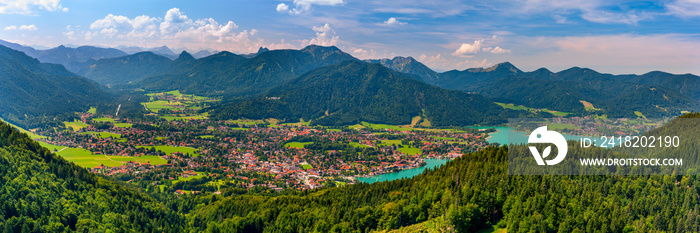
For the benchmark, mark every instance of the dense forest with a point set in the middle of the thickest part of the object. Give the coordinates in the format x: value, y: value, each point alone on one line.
x: 31, y: 91
x: 354, y: 91
x: 44, y: 193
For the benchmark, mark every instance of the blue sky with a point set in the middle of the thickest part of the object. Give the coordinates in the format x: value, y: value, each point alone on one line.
x: 616, y: 37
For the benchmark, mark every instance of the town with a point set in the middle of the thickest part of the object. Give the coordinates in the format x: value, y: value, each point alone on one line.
x: 177, y: 148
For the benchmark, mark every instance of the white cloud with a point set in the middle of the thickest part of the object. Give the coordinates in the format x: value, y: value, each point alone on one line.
x: 359, y: 51
x: 325, y: 36
x: 684, y: 8
x: 30, y: 27
x: 590, y: 10
x: 496, y: 50
x: 282, y: 7
x: 393, y: 21
x: 466, y: 49
x: 29, y: 6
x: 301, y: 6
x: 175, y: 29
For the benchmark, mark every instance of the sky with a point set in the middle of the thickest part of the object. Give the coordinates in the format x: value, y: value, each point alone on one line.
x: 610, y: 36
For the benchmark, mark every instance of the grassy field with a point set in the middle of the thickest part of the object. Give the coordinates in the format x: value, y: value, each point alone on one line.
x: 92, y: 110
x: 155, y: 106
x: 103, y: 134
x: 297, y: 145
x: 512, y: 106
x: 560, y: 126
x: 85, y: 158
x: 409, y: 151
x: 51, y: 147
x: 75, y: 125
x: 390, y: 142
x: 248, y: 122
x: 355, y: 144
x: 103, y: 119
x: 306, y: 166
x: 153, y: 160
x: 172, y: 149
x: 181, y: 118
x: 29, y: 133
x: 443, y: 138
x: 122, y: 125
x: 521, y: 107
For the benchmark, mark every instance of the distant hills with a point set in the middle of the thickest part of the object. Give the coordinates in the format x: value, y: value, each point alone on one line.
x: 45, y: 193
x: 653, y: 95
x: 131, y: 68
x: 579, y: 91
x: 410, y: 66
x: 231, y: 75
x: 355, y: 91
x: 30, y: 88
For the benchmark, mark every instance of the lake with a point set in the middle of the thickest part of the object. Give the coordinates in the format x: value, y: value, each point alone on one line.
x: 504, y: 136
x: 431, y: 163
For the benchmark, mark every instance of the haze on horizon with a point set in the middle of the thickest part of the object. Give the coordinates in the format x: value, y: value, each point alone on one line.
x: 618, y: 37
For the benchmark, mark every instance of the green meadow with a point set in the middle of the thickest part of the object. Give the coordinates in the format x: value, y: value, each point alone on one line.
x: 297, y: 145
x: 103, y: 134
x: 172, y: 149
x: 75, y: 125
x: 29, y: 133
x: 103, y: 119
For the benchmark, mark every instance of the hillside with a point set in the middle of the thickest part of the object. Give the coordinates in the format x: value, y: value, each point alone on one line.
x: 468, y: 194
x: 30, y: 88
x: 42, y: 192
x: 132, y: 68
x: 356, y: 91
x: 243, y: 77
x: 72, y: 58
x: 655, y: 94
x: 410, y: 66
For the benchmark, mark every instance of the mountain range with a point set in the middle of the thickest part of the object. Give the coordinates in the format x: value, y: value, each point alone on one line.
x: 30, y: 88
x: 355, y: 91
x: 578, y: 91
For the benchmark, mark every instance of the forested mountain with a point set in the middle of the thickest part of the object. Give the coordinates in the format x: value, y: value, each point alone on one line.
x: 242, y: 77
x: 29, y: 88
x: 42, y: 192
x: 71, y: 58
x: 653, y: 94
x: 132, y: 68
x: 410, y: 66
x: 472, y: 193
x: 355, y: 91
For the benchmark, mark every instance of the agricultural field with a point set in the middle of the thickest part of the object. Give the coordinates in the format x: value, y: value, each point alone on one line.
x: 29, y: 133
x: 122, y: 125
x: 103, y: 119
x: 172, y: 149
x: 103, y: 134
x: 85, y: 158
x: 297, y: 145
x: 185, y: 106
x: 153, y: 160
x: 521, y: 107
x: 75, y: 125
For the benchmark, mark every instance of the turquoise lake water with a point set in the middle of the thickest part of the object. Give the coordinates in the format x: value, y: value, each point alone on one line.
x: 431, y: 163
x: 501, y: 137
